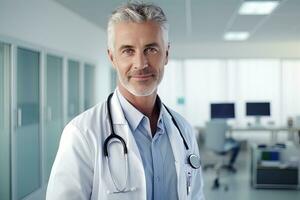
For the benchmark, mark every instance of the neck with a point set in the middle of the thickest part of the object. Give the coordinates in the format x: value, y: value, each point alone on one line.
x: 145, y: 104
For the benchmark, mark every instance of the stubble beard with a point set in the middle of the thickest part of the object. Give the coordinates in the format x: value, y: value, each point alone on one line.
x: 147, y: 89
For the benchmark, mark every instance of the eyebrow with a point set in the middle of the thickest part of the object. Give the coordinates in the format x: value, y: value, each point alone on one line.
x: 125, y: 47
x: 154, y: 44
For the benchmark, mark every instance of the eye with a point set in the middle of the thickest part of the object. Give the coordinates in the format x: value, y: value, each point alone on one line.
x: 151, y: 50
x: 128, y: 52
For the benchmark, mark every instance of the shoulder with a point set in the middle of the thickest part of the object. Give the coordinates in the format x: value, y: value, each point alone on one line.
x: 88, y: 114
x: 86, y: 126
x: 90, y: 118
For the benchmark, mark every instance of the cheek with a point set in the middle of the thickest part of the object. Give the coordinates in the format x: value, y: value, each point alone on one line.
x: 156, y: 60
x: 123, y: 67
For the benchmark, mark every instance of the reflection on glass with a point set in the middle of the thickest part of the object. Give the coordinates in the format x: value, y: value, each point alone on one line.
x: 4, y: 122
x: 54, y: 111
x: 73, y: 89
x: 89, y: 86
x: 27, y: 133
x: 2, y: 86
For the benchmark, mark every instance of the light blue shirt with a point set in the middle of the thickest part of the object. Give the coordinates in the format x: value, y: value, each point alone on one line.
x: 156, y: 152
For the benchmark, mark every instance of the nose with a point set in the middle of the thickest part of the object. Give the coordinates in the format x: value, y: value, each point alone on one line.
x: 141, y: 61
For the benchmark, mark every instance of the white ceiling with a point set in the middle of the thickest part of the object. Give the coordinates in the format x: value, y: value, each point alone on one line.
x: 210, y: 19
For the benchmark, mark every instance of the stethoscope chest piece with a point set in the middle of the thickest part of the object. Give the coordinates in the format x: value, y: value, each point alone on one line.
x: 194, y: 161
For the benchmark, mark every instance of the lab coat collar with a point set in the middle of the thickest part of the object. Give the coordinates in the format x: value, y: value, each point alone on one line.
x: 133, y: 116
x: 174, y: 137
x: 116, y: 110
x: 179, y: 153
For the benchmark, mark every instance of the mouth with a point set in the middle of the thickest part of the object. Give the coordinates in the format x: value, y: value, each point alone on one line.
x: 142, y: 77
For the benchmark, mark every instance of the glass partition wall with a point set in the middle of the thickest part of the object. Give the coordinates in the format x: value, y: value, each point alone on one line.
x: 39, y: 93
x: 73, y: 89
x: 27, y: 138
x: 5, y: 139
x: 54, y: 108
x: 89, y: 86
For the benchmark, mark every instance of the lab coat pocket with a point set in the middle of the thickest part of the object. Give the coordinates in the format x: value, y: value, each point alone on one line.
x: 116, y: 173
x: 116, y: 189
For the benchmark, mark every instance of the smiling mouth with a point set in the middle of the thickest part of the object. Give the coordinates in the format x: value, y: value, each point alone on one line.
x: 142, y: 77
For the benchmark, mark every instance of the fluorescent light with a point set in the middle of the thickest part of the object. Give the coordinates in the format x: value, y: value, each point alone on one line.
x: 257, y: 7
x: 236, y: 36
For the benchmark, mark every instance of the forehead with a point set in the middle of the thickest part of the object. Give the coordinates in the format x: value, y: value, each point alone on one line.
x: 130, y: 33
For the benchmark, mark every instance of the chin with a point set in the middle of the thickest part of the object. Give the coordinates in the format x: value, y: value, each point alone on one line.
x: 139, y: 89
x: 142, y: 92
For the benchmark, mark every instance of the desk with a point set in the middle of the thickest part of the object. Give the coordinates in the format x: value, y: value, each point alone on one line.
x: 283, y: 175
x: 272, y: 129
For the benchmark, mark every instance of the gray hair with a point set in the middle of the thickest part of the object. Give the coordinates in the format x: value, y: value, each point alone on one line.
x: 137, y: 12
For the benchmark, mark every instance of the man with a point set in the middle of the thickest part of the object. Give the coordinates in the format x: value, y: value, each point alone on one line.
x: 131, y: 146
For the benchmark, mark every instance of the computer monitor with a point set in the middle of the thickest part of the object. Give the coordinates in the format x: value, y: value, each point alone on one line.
x: 258, y: 109
x: 222, y: 110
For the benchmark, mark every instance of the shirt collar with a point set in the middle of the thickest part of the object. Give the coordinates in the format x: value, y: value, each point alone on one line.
x: 133, y: 116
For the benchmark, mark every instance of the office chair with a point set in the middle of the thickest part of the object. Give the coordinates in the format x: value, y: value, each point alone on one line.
x: 215, y: 138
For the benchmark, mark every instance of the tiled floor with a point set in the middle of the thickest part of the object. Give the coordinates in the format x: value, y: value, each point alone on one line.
x: 239, y: 183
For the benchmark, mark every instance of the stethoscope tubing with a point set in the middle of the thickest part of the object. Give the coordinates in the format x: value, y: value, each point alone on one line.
x: 113, y: 135
x: 193, y: 160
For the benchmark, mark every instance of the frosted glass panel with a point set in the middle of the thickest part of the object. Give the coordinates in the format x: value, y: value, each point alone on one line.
x: 4, y: 122
x: 290, y: 89
x: 1, y: 87
x: 206, y: 82
x: 258, y: 80
x: 89, y: 86
x: 73, y: 89
x: 54, y: 111
x: 27, y: 133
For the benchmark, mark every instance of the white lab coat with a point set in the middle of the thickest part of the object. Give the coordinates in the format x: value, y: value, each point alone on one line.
x: 80, y: 169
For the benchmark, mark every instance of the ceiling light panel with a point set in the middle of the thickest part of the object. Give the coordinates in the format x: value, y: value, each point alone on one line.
x: 258, y: 7
x: 236, y: 36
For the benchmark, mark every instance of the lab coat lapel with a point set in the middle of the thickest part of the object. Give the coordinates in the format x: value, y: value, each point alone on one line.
x: 121, y: 127
x: 178, y: 152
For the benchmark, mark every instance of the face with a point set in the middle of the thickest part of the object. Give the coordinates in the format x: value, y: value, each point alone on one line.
x: 139, y: 56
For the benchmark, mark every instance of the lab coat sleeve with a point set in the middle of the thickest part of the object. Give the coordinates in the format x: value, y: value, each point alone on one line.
x: 72, y: 172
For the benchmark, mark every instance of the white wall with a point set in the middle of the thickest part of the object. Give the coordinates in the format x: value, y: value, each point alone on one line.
x: 236, y: 50
x: 47, y: 24
x: 236, y: 80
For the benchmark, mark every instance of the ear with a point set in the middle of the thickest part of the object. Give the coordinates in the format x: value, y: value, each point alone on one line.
x: 111, y: 56
x: 167, y: 54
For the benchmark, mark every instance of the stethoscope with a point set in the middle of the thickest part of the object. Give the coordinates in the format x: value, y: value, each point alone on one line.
x: 193, y: 160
